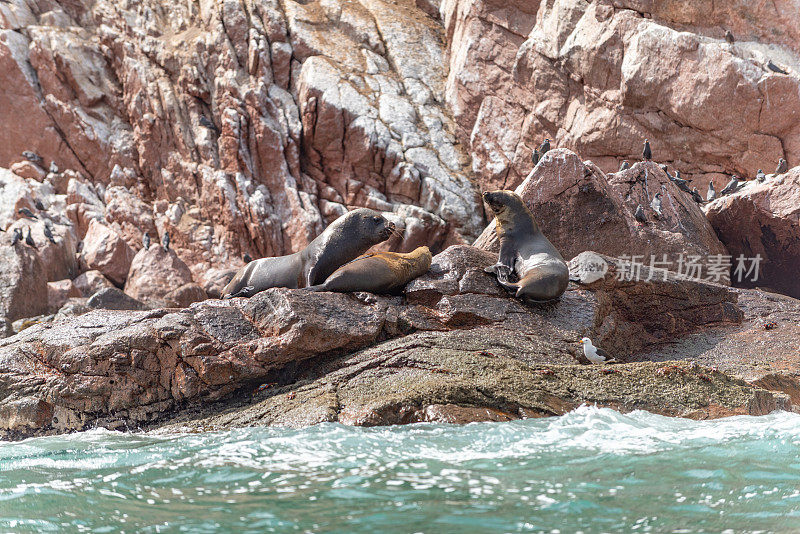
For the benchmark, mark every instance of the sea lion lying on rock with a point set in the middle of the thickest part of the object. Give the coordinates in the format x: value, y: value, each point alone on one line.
x: 382, y: 272
x: 343, y: 240
x: 525, y: 252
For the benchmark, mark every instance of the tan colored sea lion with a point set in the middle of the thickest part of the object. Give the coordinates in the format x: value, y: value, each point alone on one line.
x: 524, y: 251
x: 382, y: 272
x: 344, y: 239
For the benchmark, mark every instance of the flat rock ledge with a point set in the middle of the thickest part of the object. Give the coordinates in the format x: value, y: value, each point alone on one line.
x: 454, y: 348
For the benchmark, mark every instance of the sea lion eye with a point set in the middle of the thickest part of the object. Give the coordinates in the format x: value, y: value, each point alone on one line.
x: 377, y: 218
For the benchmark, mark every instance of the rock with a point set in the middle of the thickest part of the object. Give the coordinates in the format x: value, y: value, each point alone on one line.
x: 599, y: 78
x: 26, y: 169
x: 578, y: 209
x: 5, y: 328
x: 156, y: 272
x: 72, y: 308
x: 23, y: 285
x: 105, y: 251
x: 59, y: 292
x: 91, y: 282
x: 762, y: 220
x: 112, y: 298
x: 184, y: 296
x: 151, y: 363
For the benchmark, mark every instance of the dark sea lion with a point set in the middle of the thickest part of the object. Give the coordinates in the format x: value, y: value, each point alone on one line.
x: 524, y: 251
x: 343, y: 240
x: 381, y: 273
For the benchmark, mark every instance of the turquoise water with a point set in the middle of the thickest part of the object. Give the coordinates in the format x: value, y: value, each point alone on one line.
x: 592, y: 470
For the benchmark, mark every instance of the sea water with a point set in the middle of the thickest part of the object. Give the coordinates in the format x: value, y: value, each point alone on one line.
x: 592, y: 470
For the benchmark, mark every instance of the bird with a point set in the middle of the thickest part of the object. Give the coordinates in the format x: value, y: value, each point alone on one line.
x: 647, y: 154
x: 639, y: 214
x: 535, y: 156
x: 729, y: 37
x: 624, y: 165
x: 206, y: 123
x: 774, y: 68
x: 696, y: 196
x: 146, y: 241
x: 731, y: 187
x: 544, y: 148
x: 760, y: 176
x: 594, y: 354
x: 17, y: 236
x: 783, y: 166
x: 48, y: 233
x: 682, y: 184
x: 25, y: 212
x: 656, y: 205
x: 712, y: 193
x: 247, y: 258
x: 165, y: 241
x: 29, y: 239
x: 33, y: 157
x: 53, y: 167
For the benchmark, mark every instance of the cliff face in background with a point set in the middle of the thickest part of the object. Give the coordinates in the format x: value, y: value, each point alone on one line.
x: 244, y: 126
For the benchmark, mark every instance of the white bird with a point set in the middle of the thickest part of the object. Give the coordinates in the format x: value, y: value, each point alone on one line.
x: 593, y: 354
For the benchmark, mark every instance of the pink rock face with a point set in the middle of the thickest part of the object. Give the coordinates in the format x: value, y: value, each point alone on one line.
x: 764, y: 219
x: 599, y: 78
x: 23, y: 285
x: 578, y: 208
x: 105, y: 251
x: 155, y: 273
x: 264, y: 124
x: 59, y: 292
x: 91, y: 282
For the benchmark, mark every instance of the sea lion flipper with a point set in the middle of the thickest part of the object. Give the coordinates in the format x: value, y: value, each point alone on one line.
x: 244, y: 292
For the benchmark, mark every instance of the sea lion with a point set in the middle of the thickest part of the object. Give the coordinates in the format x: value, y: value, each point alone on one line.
x: 344, y: 239
x: 381, y: 273
x: 525, y: 251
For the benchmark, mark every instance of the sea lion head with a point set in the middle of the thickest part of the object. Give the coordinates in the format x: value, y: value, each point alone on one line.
x: 369, y: 225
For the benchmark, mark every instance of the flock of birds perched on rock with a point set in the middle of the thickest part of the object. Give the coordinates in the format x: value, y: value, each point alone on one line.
x: 734, y: 185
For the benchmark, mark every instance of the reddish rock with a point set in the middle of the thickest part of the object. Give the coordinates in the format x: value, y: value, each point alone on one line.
x: 26, y: 169
x: 578, y: 208
x: 600, y: 77
x: 156, y: 272
x: 184, y: 296
x: 58, y: 293
x: 763, y: 220
x: 23, y: 285
x: 91, y: 282
x: 105, y: 251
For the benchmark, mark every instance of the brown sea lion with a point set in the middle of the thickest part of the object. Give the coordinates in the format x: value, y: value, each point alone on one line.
x: 344, y: 239
x: 382, y: 272
x: 524, y: 251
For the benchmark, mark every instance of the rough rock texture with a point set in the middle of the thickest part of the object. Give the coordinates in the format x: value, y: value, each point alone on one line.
x: 129, y: 368
x: 155, y: 272
x: 112, y: 298
x: 58, y: 293
x: 91, y: 282
x: 600, y: 77
x: 763, y: 219
x: 23, y: 285
x: 105, y: 251
x: 238, y: 126
x: 578, y: 208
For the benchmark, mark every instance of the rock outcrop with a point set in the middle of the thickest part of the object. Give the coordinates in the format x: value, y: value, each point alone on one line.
x: 579, y: 208
x: 600, y: 77
x: 763, y: 220
x: 119, y: 369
